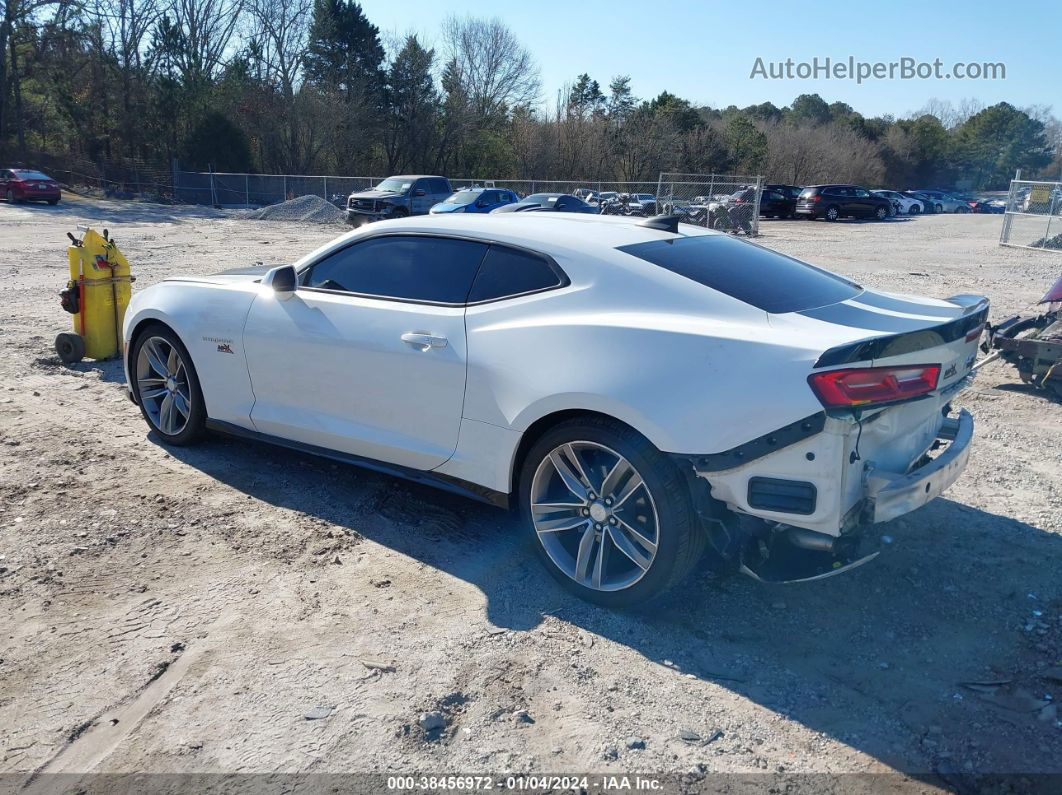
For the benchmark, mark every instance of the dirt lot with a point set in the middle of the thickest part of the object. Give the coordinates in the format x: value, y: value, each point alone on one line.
x: 191, y: 610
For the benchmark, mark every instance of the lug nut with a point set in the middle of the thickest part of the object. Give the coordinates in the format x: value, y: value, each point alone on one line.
x: 597, y: 527
x: 586, y: 511
x: 612, y: 520
x: 608, y: 500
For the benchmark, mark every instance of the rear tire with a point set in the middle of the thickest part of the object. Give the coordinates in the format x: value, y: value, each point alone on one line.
x: 915, y: 210
x: 70, y: 347
x: 881, y: 213
x: 939, y: 208
x: 653, y: 520
x: 166, y: 360
x: 833, y: 212
x: 53, y: 202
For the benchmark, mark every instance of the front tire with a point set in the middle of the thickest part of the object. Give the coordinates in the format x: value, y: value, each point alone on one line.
x: 939, y: 208
x: 610, y: 516
x: 915, y: 210
x: 167, y: 386
x: 881, y: 213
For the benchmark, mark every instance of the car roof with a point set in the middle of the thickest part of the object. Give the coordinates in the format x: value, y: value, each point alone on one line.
x: 550, y: 233
x: 415, y: 176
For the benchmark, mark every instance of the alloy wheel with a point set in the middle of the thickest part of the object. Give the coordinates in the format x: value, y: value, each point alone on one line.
x: 162, y: 384
x: 594, y: 516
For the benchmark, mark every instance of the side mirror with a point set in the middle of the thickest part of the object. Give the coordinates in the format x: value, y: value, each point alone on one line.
x: 420, y: 192
x: 281, y: 280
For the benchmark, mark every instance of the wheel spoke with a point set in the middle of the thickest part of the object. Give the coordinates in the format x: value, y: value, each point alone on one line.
x: 166, y: 414
x: 631, y: 486
x: 636, y: 536
x: 173, y: 361
x: 151, y: 394
x: 615, y: 475
x: 582, y: 558
x: 599, y: 565
x: 155, y: 358
x: 560, y: 524
x: 180, y: 402
x: 623, y: 544
x: 557, y: 506
x: 570, y: 478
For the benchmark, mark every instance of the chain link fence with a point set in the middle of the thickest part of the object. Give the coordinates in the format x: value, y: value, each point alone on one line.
x: 727, y: 202
x: 257, y: 190
x: 1033, y: 216
x: 720, y: 201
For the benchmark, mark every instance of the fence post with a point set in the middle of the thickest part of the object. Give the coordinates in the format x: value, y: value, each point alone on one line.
x: 284, y: 197
x: 247, y: 189
x: 326, y: 197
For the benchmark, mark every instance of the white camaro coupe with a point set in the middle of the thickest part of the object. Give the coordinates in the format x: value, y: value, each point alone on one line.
x: 641, y: 390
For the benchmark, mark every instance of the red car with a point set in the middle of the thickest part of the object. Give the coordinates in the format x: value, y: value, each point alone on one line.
x: 22, y: 185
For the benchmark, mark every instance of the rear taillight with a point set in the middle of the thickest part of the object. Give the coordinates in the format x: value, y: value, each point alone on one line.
x: 872, y: 385
x: 816, y: 198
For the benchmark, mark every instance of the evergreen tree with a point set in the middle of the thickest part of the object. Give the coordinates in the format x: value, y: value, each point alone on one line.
x: 344, y: 52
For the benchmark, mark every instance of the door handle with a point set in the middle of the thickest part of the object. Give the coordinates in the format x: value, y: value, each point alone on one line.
x: 423, y: 341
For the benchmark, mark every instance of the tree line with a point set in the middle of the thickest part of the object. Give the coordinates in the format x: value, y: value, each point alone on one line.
x: 311, y: 87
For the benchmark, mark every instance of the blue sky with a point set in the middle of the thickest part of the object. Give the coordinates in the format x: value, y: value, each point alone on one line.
x: 704, y: 50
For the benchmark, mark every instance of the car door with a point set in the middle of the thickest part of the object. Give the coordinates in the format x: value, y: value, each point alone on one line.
x: 421, y: 198
x: 487, y: 201
x: 368, y: 355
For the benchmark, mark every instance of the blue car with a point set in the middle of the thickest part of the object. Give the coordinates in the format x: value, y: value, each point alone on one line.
x: 475, y: 200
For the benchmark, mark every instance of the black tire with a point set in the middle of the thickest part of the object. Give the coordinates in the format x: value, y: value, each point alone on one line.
x: 681, y: 540
x: 11, y: 197
x: 53, y: 202
x: 400, y: 212
x: 193, y: 428
x: 915, y: 210
x: 938, y: 208
x: 881, y: 213
x: 70, y: 347
x: 962, y: 210
x: 833, y: 212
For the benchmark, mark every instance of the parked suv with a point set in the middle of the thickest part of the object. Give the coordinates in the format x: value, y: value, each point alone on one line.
x: 398, y: 197
x: 837, y: 201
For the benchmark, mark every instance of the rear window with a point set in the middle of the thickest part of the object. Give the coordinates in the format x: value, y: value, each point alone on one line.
x: 30, y: 174
x: 758, y: 276
x: 809, y: 192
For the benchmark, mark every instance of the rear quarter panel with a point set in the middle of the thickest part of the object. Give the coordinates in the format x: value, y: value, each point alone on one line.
x: 690, y: 381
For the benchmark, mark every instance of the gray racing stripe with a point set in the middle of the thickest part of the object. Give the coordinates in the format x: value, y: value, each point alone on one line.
x: 844, y: 314
x: 871, y: 298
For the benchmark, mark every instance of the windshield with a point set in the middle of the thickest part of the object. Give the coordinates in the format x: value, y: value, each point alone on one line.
x: 395, y: 185
x: 463, y: 197
x: 541, y: 198
x: 30, y: 174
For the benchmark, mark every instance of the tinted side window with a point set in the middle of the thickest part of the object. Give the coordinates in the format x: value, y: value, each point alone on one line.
x: 758, y: 276
x: 440, y: 186
x: 410, y: 267
x: 507, y: 271
x: 490, y: 197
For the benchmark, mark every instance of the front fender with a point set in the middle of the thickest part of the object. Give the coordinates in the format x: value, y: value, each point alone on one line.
x: 209, y: 320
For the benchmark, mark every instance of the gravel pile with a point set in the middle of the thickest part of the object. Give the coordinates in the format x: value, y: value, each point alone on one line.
x: 309, y: 209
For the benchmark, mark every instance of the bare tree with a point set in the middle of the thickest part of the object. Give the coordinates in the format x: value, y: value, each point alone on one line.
x: 495, y: 72
x: 206, y: 28
x: 280, y: 27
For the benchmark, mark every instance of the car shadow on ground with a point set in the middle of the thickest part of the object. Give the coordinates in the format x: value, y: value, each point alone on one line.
x: 876, y: 658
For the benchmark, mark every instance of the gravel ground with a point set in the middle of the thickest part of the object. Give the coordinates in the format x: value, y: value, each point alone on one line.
x: 236, y: 608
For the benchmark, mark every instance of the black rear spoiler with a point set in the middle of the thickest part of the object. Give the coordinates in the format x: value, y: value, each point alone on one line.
x: 974, y: 316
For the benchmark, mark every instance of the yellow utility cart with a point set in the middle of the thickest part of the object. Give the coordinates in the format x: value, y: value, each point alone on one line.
x: 96, y: 295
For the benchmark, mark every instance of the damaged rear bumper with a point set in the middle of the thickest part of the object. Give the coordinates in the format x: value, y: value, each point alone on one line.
x: 892, y: 494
